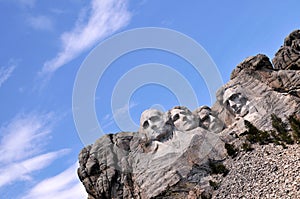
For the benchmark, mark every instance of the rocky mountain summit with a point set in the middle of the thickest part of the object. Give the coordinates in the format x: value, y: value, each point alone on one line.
x: 245, y: 146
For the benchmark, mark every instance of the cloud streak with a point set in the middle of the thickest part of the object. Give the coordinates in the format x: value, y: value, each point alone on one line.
x: 24, y: 136
x: 21, y: 171
x: 5, y: 73
x: 22, y: 147
x: 105, y: 18
x: 119, y: 114
x: 28, y: 3
x: 65, y: 185
x: 41, y: 23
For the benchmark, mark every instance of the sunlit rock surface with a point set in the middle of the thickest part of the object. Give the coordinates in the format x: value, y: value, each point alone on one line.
x: 172, y: 153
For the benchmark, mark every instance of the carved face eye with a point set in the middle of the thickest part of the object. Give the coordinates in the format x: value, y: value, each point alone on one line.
x: 234, y: 97
x: 185, y: 113
x: 145, y: 124
x: 205, y: 117
x: 154, y: 119
x: 175, y: 117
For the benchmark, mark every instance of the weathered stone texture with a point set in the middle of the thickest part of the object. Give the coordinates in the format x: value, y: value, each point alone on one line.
x: 171, y: 155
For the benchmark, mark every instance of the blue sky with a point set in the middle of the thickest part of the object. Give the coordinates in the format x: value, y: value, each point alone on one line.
x: 44, y: 43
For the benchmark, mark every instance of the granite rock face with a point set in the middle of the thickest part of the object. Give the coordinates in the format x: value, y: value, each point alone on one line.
x: 182, y: 153
x: 287, y: 56
x: 170, y: 149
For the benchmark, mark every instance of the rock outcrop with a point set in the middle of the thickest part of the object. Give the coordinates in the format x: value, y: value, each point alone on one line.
x: 246, y: 144
x: 287, y: 56
x: 169, y: 154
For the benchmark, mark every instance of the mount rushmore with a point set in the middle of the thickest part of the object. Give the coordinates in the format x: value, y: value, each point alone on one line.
x: 205, y: 153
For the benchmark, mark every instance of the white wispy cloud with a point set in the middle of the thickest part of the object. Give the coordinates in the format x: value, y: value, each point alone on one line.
x: 23, y: 170
x: 24, y: 136
x: 119, y: 113
x: 23, y: 142
x: 65, y: 185
x: 5, y: 73
x: 41, y: 22
x: 28, y: 3
x: 122, y: 110
x: 105, y: 18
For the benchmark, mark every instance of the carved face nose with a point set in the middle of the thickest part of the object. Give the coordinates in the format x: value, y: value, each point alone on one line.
x: 185, y: 119
x: 154, y: 127
x: 232, y: 104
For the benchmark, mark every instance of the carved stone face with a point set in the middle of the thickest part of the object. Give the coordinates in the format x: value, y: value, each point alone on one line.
x: 183, y: 118
x: 153, y: 123
x: 207, y: 120
x: 235, y: 101
x: 203, y: 112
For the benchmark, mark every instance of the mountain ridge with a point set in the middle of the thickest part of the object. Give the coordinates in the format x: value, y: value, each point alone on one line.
x: 204, y: 153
